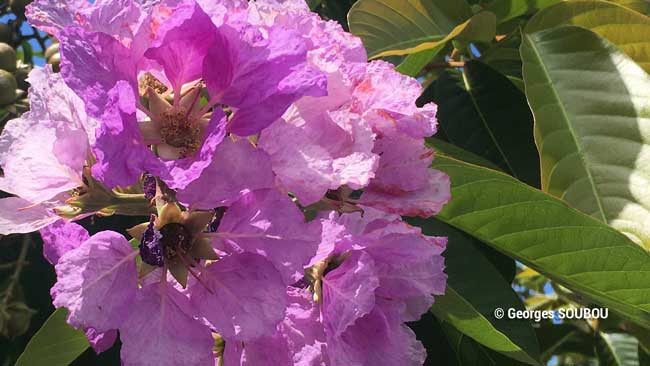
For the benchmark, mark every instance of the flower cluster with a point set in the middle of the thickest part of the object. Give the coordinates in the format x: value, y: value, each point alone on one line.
x: 271, y: 164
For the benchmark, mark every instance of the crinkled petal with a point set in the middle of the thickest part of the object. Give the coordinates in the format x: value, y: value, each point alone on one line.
x: 268, y: 223
x: 31, y: 169
x: 303, y: 330
x: 43, y: 152
x: 424, y: 202
x: 160, y: 332
x: 97, y: 282
x: 411, y: 269
x: 189, y: 33
x: 318, y: 145
x: 101, y: 342
x: 53, y: 15
x: 259, y: 75
x: 404, y: 183
x: 121, y: 157
x: 348, y: 292
x: 92, y: 64
x: 378, y: 339
x: 19, y: 216
x: 248, y: 300
x: 236, y: 166
x: 60, y: 238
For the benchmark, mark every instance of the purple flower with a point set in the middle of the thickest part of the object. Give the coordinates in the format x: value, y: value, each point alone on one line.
x: 374, y: 273
x: 42, y: 154
x: 174, y: 51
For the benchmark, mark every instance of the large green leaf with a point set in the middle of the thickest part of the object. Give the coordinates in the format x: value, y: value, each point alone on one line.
x: 627, y: 29
x: 469, y: 353
x: 642, y: 6
x: 592, y: 126
x: 481, y: 111
x: 55, y: 344
x: 469, y: 304
x: 401, y: 27
x: 447, y: 148
x: 547, y: 235
x: 617, y: 349
x: 508, y: 9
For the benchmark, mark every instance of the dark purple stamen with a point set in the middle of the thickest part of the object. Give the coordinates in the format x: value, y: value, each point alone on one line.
x: 218, y: 215
x: 149, y: 186
x: 151, y: 250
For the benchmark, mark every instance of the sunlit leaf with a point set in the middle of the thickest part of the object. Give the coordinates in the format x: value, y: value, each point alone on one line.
x: 592, y: 126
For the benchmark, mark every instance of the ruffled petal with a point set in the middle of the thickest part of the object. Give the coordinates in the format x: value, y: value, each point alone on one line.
x: 60, y: 238
x: 404, y: 183
x: 266, y: 222
x: 19, y: 216
x: 101, y: 342
x: 378, y: 339
x: 348, y: 293
x: 248, y: 298
x: 160, y: 332
x: 189, y: 33
x: 97, y: 282
x: 236, y: 166
x: 259, y: 75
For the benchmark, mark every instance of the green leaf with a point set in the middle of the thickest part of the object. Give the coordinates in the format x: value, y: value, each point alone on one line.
x: 508, y: 9
x: 481, y: 111
x: 627, y: 29
x: 592, y: 126
x: 617, y: 349
x: 445, y: 148
x: 55, y: 344
x: 398, y: 27
x: 470, y: 353
x: 642, y: 6
x: 469, y: 304
x: 414, y: 62
x: 542, y: 232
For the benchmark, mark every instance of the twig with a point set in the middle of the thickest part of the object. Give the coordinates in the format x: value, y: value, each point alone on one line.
x: 15, y: 277
x: 444, y: 65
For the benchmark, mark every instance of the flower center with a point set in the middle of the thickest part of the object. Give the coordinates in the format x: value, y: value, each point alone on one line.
x: 179, y: 130
x: 176, y: 240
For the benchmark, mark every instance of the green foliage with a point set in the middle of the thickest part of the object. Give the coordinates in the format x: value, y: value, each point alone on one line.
x: 579, y: 67
x: 55, y: 344
x: 469, y: 305
x: 592, y: 125
x: 483, y: 101
x: 394, y: 27
x: 627, y: 29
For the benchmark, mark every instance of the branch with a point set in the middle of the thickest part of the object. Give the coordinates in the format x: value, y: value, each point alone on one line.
x: 15, y: 277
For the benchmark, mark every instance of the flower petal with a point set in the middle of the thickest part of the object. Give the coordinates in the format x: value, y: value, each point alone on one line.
x: 348, y: 293
x: 19, y: 216
x: 236, y: 166
x: 97, y: 282
x: 248, y: 300
x: 160, y: 332
x: 266, y: 222
x: 60, y: 238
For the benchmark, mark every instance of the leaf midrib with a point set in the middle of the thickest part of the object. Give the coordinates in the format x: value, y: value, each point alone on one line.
x: 572, y: 132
